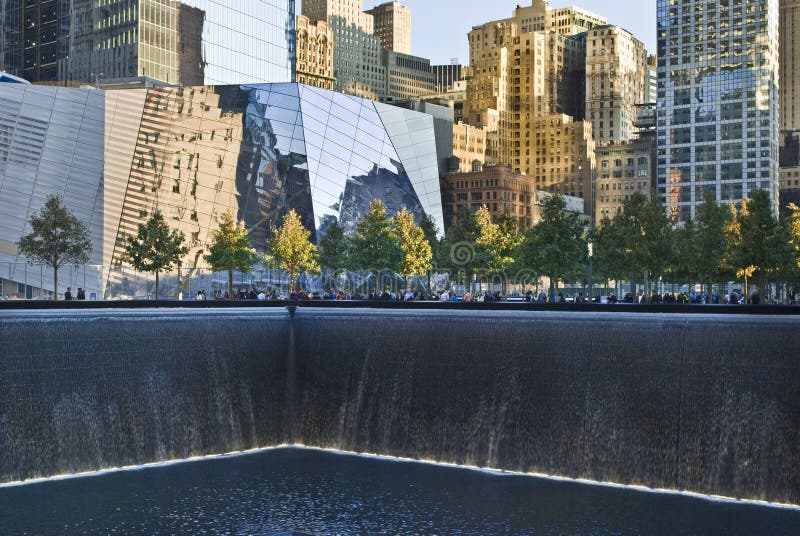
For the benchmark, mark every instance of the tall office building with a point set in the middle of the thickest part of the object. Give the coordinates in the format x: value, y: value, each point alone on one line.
x: 717, y: 116
x: 616, y: 82
x: 357, y: 54
x: 525, y: 68
x: 790, y: 65
x: 169, y: 41
x: 34, y: 36
x: 392, y: 22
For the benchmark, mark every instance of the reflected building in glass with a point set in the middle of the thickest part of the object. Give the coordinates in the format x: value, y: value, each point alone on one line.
x: 717, y: 114
x: 188, y: 42
x: 196, y: 152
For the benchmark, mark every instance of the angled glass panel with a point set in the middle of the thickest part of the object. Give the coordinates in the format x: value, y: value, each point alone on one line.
x: 272, y: 173
x: 413, y: 137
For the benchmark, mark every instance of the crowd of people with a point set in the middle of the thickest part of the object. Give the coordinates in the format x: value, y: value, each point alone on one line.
x: 734, y: 297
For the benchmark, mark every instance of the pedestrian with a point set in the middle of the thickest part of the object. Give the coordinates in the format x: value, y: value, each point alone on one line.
x: 68, y: 294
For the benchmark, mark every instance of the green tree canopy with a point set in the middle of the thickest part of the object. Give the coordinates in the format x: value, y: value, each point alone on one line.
x: 610, y: 249
x: 458, y: 251
x: 374, y: 244
x: 416, y: 253
x: 291, y: 250
x: 498, y: 241
x: 56, y: 238
x: 756, y: 243
x: 792, y: 236
x: 656, y: 241
x: 556, y: 246
x: 332, y: 247
x: 230, y: 249
x: 708, y: 253
x: 156, y: 247
x: 646, y: 235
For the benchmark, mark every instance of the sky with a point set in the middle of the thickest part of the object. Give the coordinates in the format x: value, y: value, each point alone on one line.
x: 440, y: 27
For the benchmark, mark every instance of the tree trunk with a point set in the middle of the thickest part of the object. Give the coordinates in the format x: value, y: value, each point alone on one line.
x: 291, y: 281
x: 156, y: 284
x: 55, y: 282
x: 230, y: 284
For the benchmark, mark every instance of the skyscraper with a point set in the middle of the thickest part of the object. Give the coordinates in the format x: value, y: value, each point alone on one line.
x: 393, y: 26
x: 717, y: 115
x: 357, y: 52
x: 530, y: 69
x: 616, y: 81
x: 170, y: 41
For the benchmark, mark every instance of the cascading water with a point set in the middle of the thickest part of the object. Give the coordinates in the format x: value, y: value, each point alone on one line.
x: 690, y: 402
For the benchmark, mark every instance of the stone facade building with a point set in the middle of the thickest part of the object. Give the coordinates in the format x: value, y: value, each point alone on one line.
x: 314, y: 53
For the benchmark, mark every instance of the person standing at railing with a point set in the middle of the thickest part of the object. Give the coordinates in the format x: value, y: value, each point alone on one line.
x: 68, y: 294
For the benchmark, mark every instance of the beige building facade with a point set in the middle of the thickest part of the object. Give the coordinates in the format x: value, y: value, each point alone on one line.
x: 563, y: 156
x: 392, y: 22
x: 789, y: 55
x: 357, y: 54
x: 617, y: 79
x: 314, y: 53
x: 469, y: 146
x: 529, y: 69
x: 623, y: 168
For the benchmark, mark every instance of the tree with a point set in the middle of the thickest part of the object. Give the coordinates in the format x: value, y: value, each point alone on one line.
x: 646, y: 236
x: 458, y: 250
x: 708, y: 238
x: 497, y: 241
x: 291, y: 250
x: 556, y: 245
x: 685, y: 263
x: 156, y: 247
x: 415, y: 249
x: 56, y: 238
x: 609, y: 259
x: 332, y: 247
x: 431, y: 232
x: 792, y: 233
x: 373, y: 245
x: 754, y: 240
x: 230, y: 249
x: 656, y: 241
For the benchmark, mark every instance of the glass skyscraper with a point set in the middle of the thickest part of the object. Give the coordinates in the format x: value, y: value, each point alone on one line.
x: 196, y: 152
x: 717, y: 114
x: 188, y: 42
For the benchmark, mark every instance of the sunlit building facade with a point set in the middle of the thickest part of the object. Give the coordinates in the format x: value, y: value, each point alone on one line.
x: 314, y: 53
x: 195, y: 153
x: 717, y: 115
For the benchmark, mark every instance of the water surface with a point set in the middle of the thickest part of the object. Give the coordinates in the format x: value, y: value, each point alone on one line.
x: 327, y: 493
